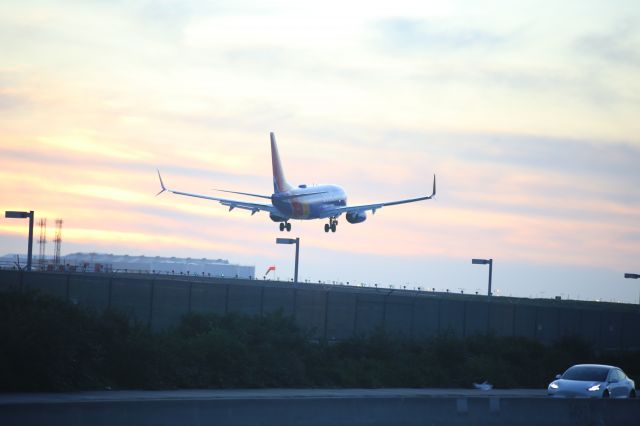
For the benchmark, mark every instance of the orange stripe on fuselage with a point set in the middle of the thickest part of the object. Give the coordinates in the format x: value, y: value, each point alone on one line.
x: 300, y: 210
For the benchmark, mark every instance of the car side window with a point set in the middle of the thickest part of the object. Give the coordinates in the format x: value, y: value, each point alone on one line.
x: 613, y: 376
x: 616, y: 376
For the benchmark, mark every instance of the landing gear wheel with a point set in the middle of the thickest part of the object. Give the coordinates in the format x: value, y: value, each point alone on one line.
x: 288, y: 226
x: 333, y: 223
x: 282, y: 226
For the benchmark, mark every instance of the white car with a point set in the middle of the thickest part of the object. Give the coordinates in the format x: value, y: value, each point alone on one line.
x: 593, y: 381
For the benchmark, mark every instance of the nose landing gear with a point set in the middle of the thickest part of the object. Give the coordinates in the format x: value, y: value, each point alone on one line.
x: 333, y: 223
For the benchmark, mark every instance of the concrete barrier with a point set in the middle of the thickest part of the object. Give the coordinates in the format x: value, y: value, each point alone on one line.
x: 348, y: 407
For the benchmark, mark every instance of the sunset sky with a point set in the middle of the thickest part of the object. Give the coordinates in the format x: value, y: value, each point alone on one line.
x: 528, y: 112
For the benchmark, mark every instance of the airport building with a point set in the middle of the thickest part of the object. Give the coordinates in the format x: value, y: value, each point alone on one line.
x: 101, y: 262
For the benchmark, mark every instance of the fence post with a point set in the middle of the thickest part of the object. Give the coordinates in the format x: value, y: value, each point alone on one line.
x: 464, y: 319
x: 153, y: 285
x: 67, y: 284
x: 110, y: 291
x: 326, y: 315
x: 262, y: 301
x: 355, y: 317
x: 226, y: 299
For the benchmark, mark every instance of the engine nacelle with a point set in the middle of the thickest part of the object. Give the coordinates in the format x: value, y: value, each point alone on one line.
x: 277, y: 218
x: 356, y: 217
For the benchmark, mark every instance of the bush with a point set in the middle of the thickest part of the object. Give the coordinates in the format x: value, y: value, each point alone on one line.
x: 51, y: 345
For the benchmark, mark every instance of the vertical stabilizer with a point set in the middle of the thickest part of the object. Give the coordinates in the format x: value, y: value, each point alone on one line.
x: 279, y: 182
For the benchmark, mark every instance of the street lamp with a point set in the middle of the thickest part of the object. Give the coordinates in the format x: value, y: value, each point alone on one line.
x: 484, y: 262
x: 635, y: 277
x: 295, y: 241
x: 24, y: 215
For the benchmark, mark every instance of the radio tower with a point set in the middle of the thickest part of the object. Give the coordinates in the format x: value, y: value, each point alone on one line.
x: 58, y: 242
x: 42, y: 242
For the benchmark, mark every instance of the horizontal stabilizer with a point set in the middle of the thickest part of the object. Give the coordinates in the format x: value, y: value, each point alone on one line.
x: 244, y: 193
x: 288, y: 197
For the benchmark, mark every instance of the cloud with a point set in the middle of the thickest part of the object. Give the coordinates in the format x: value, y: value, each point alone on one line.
x: 532, y: 165
x: 405, y: 35
x: 619, y: 46
x: 10, y: 101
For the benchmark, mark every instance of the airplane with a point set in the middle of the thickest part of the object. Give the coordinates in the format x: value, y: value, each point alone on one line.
x: 303, y: 202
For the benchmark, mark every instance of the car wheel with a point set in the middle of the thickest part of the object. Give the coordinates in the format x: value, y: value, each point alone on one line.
x: 632, y: 394
x: 605, y: 394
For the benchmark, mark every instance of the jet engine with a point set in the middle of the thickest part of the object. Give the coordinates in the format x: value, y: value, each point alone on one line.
x: 356, y: 217
x: 277, y: 218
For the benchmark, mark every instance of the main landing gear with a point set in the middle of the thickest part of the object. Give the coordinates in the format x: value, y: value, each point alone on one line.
x: 333, y: 223
x: 285, y: 225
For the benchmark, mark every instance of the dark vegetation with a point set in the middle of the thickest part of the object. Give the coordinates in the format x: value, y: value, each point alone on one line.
x: 50, y: 345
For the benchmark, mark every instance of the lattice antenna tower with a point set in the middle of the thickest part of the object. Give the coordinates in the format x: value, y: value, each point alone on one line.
x: 58, y: 242
x: 42, y: 243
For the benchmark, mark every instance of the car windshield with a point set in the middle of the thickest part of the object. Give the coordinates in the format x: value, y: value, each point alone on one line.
x: 587, y: 374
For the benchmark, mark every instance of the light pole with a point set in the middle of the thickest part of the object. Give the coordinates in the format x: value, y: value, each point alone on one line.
x: 24, y: 215
x: 484, y: 262
x: 634, y: 277
x: 295, y: 241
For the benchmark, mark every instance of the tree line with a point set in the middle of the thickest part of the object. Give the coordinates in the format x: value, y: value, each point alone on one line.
x: 47, y: 344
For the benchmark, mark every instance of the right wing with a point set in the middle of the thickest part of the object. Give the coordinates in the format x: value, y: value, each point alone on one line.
x: 232, y: 204
x: 373, y: 207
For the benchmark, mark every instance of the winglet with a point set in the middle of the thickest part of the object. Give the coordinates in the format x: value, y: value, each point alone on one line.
x: 434, y: 187
x: 161, y: 184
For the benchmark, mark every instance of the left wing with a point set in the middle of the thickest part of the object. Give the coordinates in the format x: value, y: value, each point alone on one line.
x: 232, y: 204
x: 374, y: 207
